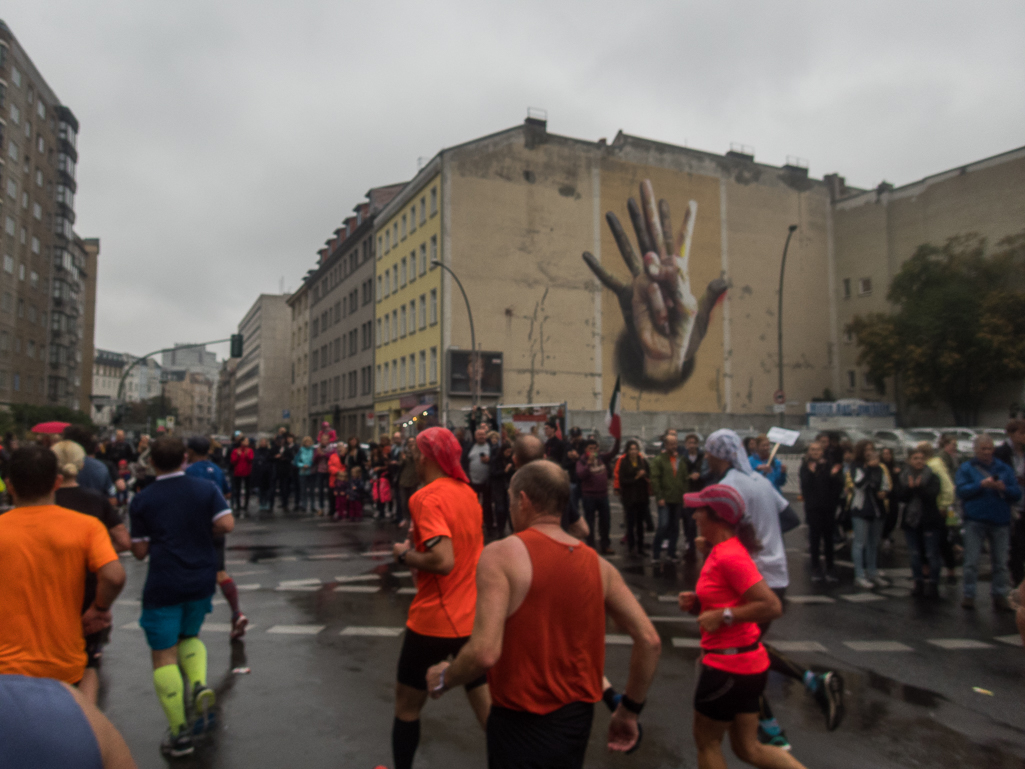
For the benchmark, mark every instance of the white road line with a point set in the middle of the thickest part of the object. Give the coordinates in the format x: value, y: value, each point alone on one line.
x: 669, y: 598
x: 951, y: 644
x: 617, y: 639
x: 406, y: 591
x: 798, y: 646
x: 686, y: 643
x: 845, y: 564
x: 277, y: 559
x: 297, y: 582
x: 862, y: 597
x: 128, y: 602
x: 401, y: 574
x: 131, y: 626
x: 357, y: 589
x: 252, y: 586
x: 810, y: 599
x: 877, y: 646
x: 387, y: 632
x: 295, y: 629
x: 359, y: 578
x: 298, y: 588
x: 1012, y: 640
x: 378, y: 554
x: 221, y: 627
x: 329, y: 556
x: 219, y: 602
x: 684, y: 618
x: 249, y: 573
x: 896, y: 592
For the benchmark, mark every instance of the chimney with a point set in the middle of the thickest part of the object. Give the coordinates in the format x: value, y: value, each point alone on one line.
x: 837, y: 186
x: 535, y: 127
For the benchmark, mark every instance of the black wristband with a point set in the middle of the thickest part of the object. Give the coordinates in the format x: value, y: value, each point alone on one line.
x: 633, y: 707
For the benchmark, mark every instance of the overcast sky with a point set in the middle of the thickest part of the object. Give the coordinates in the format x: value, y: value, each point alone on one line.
x: 222, y: 141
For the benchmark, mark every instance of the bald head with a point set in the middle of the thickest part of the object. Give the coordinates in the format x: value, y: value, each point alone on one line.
x: 527, y: 449
x: 539, y: 489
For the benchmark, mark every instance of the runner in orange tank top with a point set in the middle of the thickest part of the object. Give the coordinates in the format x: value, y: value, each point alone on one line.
x: 539, y: 633
x: 445, y: 542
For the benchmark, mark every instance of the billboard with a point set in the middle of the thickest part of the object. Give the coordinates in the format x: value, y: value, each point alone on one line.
x: 460, y: 372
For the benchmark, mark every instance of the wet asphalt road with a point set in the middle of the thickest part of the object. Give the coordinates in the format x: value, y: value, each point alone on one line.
x: 317, y: 698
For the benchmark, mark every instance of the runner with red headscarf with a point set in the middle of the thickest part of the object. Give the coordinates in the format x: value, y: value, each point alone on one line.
x: 445, y: 542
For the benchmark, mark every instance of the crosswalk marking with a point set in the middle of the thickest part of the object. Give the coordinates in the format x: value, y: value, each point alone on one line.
x: 406, y: 591
x: 618, y: 639
x: 402, y: 574
x: 378, y: 554
x: 798, y: 646
x: 298, y: 582
x: 668, y: 598
x: 810, y: 599
x: 877, y: 646
x: 295, y: 629
x: 277, y: 559
x: 896, y: 592
x: 329, y: 556
x: 249, y: 573
x: 387, y: 632
x: 958, y: 643
x: 862, y: 597
x: 359, y: 578
x: 686, y: 643
x: 222, y: 627
x: 1012, y: 640
x: 357, y: 589
x: 298, y: 588
x: 131, y: 626
x: 252, y: 586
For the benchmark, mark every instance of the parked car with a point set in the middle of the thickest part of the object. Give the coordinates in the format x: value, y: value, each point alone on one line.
x: 894, y: 439
x: 917, y: 435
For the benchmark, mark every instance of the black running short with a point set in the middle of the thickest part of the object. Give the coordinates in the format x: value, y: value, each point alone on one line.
x: 219, y: 545
x: 556, y: 740
x: 419, y: 652
x: 94, y: 643
x: 721, y: 696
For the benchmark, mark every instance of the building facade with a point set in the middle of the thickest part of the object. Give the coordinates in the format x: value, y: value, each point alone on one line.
x: 191, y: 395
x: 299, y: 353
x: 142, y: 383
x: 262, y: 376
x: 224, y: 397
x: 43, y: 273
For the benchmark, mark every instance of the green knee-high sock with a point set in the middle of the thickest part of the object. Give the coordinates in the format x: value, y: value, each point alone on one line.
x: 192, y: 656
x: 170, y: 690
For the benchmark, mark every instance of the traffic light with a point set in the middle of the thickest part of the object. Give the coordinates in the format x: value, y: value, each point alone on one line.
x: 236, y: 345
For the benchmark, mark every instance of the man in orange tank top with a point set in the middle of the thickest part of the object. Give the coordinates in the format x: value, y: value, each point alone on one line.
x: 445, y: 542
x: 539, y: 633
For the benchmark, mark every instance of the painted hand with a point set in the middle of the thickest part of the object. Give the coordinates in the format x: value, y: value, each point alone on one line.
x: 662, y: 316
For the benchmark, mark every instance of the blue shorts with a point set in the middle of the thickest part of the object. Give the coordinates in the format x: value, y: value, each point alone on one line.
x: 165, y: 625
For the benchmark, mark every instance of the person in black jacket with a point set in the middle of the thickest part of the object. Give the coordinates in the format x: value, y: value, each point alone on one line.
x: 1012, y: 453
x: 262, y: 476
x: 633, y: 489
x: 917, y: 488
x: 821, y: 484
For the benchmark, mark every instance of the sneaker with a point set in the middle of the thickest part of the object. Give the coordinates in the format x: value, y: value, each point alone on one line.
x: 864, y: 583
x: 880, y: 581
x: 203, y: 700
x: 177, y: 745
x: 830, y: 696
x: 817, y: 575
x: 967, y: 603
x: 1001, y: 604
x: 238, y: 626
x: 775, y: 737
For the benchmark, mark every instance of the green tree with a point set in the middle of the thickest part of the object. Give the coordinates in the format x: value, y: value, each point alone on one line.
x: 958, y: 325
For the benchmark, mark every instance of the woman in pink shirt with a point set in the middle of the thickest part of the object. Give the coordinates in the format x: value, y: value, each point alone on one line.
x: 241, y: 460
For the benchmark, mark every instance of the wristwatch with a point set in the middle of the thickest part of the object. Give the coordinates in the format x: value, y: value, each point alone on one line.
x: 727, y: 616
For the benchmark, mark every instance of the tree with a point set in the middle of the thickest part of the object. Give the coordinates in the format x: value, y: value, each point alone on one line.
x: 958, y: 327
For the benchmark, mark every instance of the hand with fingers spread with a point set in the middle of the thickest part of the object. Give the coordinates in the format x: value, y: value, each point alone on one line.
x: 665, y: 324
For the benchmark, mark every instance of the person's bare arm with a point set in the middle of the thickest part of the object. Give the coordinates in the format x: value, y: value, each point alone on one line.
x: 484, y: 648
x: 627, y: 613
x: 110, y: 579
x: 113, y: 749
x: 224, y: 525
x: 760, y: 605
x: 120, y: 538
x: 440, y: 558
x: 140, y: 548
x: 579, y: 528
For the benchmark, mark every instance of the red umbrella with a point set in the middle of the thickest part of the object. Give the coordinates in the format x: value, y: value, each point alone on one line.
x: 51, y: 428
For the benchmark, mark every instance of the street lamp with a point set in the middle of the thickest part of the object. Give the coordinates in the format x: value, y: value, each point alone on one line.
x: 473, y: 338
x: 781, y: 393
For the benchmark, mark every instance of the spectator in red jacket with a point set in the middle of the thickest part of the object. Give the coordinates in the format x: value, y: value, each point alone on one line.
x: 241, y: 471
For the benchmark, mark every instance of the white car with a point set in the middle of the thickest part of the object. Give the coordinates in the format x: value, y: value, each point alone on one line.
x: 916, y: 435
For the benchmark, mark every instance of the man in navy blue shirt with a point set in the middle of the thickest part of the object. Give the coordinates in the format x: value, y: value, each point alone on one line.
x: 196, y: 453
x: 174, y: 521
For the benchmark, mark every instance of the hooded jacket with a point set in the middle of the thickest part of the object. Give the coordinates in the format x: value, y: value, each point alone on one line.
x: 986, y: 505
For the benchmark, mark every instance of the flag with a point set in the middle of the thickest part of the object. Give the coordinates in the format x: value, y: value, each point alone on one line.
x: 612, y: 417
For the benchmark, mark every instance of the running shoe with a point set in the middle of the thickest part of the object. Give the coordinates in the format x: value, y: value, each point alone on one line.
x: 866, y: 584
x: 238, y: 626
x: 776, y: 738
x: 880, y: 581
x: 177, y: 745
x: 829, y: 694
x: 203, y: 700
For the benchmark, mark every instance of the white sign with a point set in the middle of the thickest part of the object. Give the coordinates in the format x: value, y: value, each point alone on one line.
x: 780, y: 435
x: 170, y: 422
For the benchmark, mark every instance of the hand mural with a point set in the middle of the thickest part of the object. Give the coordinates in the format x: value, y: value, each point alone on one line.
x: 664, y: 322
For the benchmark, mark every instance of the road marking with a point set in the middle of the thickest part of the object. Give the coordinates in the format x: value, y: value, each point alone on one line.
x: 798, y: 646
x: 896, y: 592
x: 131, y: 626
x: 378, y: 554
x: 249, y: 573
x: 221, y: 627
x: 401, y: 574
x: 845, y: 564
x: 329, y: 556
x: 236, y: 562
x: 406, y: 591
x: 686, y: 643
x: 387, y: 632
x: 359, y: 578
x: 958, y: 643
x: 253, y: 586
x: 877, y: 646
x: 684, y: 618
x: 277, y: 559
x: 674, y: 598
x: 810, y: 599
x: 298, y: 582
x: 357, y: 589
x: 1013, y: 640
x: 617, y: 639
x: 296, y: 629
x: 862, y: 597
x: 129, y: 602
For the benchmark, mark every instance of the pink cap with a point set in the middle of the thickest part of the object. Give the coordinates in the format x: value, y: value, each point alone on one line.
x: 724, y: 500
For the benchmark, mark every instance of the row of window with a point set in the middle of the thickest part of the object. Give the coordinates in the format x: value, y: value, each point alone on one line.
x: 342, y: 308
x: 29, y: 347
x: 350, y: 385
x: 391, y: 236
x: 403, y: 321
x: 407, y: 372
x: 343, y: 269
x: 8, y: 267
x: 405, y: 270
x: 342, y: 347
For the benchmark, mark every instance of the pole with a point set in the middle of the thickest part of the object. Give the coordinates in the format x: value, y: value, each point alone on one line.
x: 779, y: 318
x: 473, y: 338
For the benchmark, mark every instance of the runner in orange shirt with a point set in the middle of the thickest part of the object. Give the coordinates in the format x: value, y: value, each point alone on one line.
x: 445, y: 542
x: 45, y: 553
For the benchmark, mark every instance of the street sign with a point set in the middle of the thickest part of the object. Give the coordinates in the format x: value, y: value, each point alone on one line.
x: 779, y: 397
x: 170, y: 423
x: 781, y: 435
x: 286, y: 414
x: 779, y: 408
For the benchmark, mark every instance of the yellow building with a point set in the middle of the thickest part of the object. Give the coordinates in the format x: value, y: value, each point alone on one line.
x: 407, y: 328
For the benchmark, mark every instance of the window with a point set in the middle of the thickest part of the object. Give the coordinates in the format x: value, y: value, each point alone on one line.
x: 394, y: 375
x: 40, y: 146
x: 423, y: 368
x: 41, y: 109
x: 412, y: 265
x: 402, y: 322
x: 11, y: 226
x: 313, y: 393
x: 387, y: 372
x: 423, y: 210
x: 8, y: 263
x: 423, y: 311
x: 12, y: 151
x: 16, y: 79
x: 30, y: 349
x: 864, y: 286
x: 852, y: 380
x: 338, y: 311
x: 325, y: 358
x: 380, y: 252
x: 21, y: 308
x: 434, y: 249
x: 846, y: 288
x: 314, y: 360
x: 387, y: 329
x: 377, y: 377
x: 380, y: 295
x: 323, y: 392
x: 412, y: 370
x: 412, y: 317
x: 434, y: 200
x: 21, y: 269
x: 423, y: 258
x: 395, y: 234
x: 17, y: 377
x: 387, y: 241
x: 39, y: 180
x: 387, y: 282
x: 35, y: 250
x: 15, y: 113
x: 37, y: 211
x: 12, y: 189
x: 402, y: 373
x: 403, y: 226
x: 339, y: 349
x: 394, y: 325
x: 394, y: 278
x: 337, y: 389
x: 434, y: 306
x: 434, y: 365
x: 868, y: 381
x: 378, y: 342
x: 402, y: 273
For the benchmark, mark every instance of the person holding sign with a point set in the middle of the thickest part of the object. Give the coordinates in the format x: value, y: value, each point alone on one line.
x: 765, y: 461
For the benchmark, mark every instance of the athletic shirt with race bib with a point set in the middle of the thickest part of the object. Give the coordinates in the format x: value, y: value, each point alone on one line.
x: 553, y: 650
